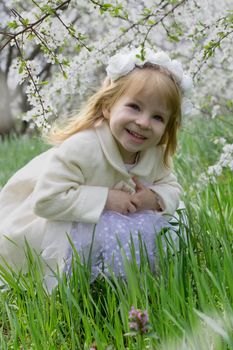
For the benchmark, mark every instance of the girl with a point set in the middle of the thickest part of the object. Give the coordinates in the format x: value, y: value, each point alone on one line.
x: 108, y: 175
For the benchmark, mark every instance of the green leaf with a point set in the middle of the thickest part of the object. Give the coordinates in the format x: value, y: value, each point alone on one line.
x: 22, y: 67
x: 30, y: 37
x: 147, y: 11
x: 47, y: 9
x: 25, y: 22
x: 65, y: 75
x: 45, y: 82
x: 106, y: 6
x: 173, y: 37
x: 13, y: 25
x: 151, y: 22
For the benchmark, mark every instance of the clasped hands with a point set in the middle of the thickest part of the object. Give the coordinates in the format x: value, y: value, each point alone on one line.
x: 124, y: 203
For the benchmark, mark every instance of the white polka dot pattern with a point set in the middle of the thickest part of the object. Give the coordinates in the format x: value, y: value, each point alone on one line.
x: 113, y: 233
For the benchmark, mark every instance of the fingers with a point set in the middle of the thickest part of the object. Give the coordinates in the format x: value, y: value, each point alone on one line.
x: 135, y: 201
x: 139, y: 185
x: 129, y: 208
x: 132, y: 208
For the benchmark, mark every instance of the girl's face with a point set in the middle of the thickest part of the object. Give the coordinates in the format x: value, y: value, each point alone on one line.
x: 137, y: 121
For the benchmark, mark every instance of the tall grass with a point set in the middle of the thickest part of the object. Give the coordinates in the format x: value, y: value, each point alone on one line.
x: 189, y: 299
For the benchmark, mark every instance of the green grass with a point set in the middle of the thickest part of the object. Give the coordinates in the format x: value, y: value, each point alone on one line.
x: 189, y: 300
x: 15, y: 153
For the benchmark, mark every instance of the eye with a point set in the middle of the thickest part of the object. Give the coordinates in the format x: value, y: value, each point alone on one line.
x: 134, y: 106
x: 158, y: 118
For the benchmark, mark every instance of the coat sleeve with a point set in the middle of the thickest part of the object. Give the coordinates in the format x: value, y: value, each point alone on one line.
x: 165, y: 185
x: 169, y: 191
x: 61, y: 192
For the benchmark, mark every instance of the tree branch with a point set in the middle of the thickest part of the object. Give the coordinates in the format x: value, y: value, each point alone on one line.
x: 31, y: 26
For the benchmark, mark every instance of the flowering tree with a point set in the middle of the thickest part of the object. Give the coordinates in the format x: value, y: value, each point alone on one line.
x: 53, y: 52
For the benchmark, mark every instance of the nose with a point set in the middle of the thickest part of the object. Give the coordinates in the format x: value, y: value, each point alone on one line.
x: 143, y: 122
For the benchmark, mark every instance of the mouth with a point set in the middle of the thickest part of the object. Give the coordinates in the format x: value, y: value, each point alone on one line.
x: 136, y: 135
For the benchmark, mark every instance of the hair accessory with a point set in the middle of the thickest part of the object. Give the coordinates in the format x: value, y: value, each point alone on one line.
x: 124, y: 62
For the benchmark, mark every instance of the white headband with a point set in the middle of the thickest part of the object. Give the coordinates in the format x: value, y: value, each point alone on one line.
x: 123, y: 63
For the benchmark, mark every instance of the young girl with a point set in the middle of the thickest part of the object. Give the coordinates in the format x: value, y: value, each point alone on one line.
x: 108, y: 176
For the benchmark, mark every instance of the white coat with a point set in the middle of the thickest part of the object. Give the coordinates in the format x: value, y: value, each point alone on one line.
x: 70, y: 183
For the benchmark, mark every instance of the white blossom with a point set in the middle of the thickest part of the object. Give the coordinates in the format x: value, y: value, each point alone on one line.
x: 77, y: 63
x: 215, y: 111
x: 219, y: 140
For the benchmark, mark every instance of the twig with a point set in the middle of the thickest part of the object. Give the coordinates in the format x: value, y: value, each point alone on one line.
x: 29, y: 27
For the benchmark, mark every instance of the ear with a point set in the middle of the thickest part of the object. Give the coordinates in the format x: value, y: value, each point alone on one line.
x: 106, y: 112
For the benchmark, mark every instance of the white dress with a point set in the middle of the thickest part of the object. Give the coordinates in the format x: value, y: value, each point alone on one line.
x: 113, y: 234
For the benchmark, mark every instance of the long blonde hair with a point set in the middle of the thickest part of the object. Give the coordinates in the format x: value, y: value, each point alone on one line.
x: 92, y: 113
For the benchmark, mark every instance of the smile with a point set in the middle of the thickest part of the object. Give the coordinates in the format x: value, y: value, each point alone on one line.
x: 136, y: 135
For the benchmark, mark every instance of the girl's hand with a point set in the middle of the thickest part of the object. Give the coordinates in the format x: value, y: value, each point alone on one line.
x: 120, y: 201
x: 144, y: 198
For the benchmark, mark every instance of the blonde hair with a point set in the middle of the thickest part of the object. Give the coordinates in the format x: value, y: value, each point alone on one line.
x: 92, y: 113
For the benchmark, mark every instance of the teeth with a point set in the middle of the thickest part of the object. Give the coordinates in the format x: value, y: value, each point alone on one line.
x: 137, y: 135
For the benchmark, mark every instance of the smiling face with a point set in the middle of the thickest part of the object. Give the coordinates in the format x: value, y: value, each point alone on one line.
x: 138, y: 119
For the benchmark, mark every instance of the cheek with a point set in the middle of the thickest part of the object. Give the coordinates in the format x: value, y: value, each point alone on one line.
x: 114, y: 125
x: 159, y: 129
x: 116, y: 119
x: 163, y: 129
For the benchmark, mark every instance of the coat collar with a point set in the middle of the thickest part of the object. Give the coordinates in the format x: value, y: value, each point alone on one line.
x: 146, y: 160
